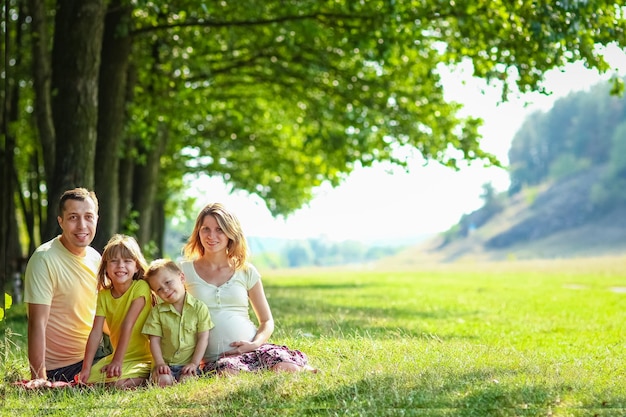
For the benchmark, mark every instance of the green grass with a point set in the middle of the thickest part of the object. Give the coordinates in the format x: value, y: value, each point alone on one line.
x: 519, y: 339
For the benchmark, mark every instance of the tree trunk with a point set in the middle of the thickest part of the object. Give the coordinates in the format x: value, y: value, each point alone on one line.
x: 11, y: 257
x: 41, y: 83
x: 158, y: 227
x: 79, y: 26
x: 146, y: 184
x: 126, y: 184
x: 116, y: 47
x: 127, y: 163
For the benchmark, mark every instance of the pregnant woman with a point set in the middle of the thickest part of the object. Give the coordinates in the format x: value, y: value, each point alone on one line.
x: 218, y: 273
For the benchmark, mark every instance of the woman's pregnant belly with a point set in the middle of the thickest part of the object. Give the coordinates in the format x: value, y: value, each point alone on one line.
x: 228, y: 328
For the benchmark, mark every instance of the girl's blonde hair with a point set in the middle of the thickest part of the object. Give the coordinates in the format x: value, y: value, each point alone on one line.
x: 125, y: 247
x: 237, y: 249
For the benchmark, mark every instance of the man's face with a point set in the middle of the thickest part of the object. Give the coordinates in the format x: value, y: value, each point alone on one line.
x: 78, y: 222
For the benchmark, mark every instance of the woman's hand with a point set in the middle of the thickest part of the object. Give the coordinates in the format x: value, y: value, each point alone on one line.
x: 239, y: 347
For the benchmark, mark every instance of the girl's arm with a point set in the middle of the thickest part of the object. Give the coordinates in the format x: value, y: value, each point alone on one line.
x: 114, y: 369
x: 95, y: 335
x: 157, y: 354
x: 266, y: 322
x: 201, y: 343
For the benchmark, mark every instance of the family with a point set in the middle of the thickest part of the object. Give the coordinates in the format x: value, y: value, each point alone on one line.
x: 116, y: 320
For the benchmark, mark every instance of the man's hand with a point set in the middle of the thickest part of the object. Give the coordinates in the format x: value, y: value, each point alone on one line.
x: 38, y: 383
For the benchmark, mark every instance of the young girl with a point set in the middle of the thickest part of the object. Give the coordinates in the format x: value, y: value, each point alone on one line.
x: 124, y: 302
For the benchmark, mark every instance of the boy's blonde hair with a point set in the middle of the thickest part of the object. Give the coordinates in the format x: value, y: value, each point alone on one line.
x: 160, y: 264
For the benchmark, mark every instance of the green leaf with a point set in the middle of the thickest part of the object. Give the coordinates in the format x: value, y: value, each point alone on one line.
x: 8, y: 301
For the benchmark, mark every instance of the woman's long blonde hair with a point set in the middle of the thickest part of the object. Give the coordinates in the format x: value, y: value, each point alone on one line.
x: 237, y: 249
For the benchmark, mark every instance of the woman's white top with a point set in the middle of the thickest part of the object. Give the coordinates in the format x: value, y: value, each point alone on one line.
x: 228, y: 305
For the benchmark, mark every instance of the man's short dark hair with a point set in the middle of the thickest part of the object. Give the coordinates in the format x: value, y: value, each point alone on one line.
x: 80, y: 194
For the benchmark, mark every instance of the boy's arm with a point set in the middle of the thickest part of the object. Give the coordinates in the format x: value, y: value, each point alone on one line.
x: 157, y: 355
x: 201, y: 343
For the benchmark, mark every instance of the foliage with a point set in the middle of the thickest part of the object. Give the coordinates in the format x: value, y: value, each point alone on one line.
x: 610, y: 190
x: 13, y: 345
x: 276, y: 98
x: 6, y: 305
x: 275, y: 253
x: 493, y: 203
x: 567, y: 164
x: 320, y: 252
x: 500, y: 339
x: 579, y: 131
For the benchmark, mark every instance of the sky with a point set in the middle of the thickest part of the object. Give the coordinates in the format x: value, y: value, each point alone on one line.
x: 383, y: 203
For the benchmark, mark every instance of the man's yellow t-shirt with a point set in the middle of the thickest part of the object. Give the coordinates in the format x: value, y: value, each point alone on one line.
x: 68, y: 284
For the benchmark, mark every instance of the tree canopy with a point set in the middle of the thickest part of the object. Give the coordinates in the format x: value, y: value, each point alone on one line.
x: 131, y: 97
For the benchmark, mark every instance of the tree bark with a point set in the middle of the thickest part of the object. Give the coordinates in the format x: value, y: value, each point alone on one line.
x: 146, y: 184
x: 127, y: 163
x: 116, y: 47
x: 158, y: 227
x: 11, y: 256
x: 79, y: 26
x: 41, y: 83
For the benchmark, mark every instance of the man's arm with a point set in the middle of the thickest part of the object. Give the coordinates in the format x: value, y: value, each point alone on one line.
x: 38, y: 315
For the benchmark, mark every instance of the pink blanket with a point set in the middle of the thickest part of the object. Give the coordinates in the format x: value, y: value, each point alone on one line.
x: 42, y: 383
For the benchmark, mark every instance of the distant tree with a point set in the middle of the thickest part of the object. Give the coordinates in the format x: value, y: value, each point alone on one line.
x: 379, y: 252
x: 612, y: 188
x: 489, y: 194
x: 572, y: 136
x: 528, y: 155
x: 352, y: 252
x: 321, y: 250
x: 299, y: 254
x: 567, y: 164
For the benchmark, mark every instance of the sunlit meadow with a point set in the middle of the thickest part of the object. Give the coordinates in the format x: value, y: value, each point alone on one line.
x: 543, y: 338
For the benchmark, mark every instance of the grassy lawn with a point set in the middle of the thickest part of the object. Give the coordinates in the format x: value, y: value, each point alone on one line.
x: 501, y: 339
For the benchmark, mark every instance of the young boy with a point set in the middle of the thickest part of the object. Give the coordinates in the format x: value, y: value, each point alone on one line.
x: 176, y: 356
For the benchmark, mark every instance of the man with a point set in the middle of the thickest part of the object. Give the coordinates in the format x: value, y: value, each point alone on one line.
x: 60, y: 289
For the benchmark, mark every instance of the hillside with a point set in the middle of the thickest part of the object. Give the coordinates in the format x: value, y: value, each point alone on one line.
x: 555, y: 220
